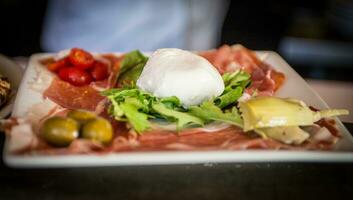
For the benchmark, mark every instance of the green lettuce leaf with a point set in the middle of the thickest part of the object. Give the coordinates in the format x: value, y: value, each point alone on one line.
x: 210, y: 112
x: 171, y: 102
x: 130, y: 105
x: 183, y: 119
x: 139, y: 120
x: 132, y: 59
x: 228, y: 98
x: 131, y: 67
x: 137, y: 107
x: 234, y: 83
x: 235, y: 79
x: 130, y: 77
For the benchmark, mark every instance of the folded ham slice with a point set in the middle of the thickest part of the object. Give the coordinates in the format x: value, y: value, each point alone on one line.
x: 265, y: 80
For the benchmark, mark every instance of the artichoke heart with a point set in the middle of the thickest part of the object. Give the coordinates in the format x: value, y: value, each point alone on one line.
x: 265, y: 112
x: 285, y: 134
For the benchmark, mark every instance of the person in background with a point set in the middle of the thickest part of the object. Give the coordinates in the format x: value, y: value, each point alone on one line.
x: 123, y: 25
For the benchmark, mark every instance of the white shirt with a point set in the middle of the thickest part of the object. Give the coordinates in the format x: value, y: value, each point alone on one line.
x: 123, y: 25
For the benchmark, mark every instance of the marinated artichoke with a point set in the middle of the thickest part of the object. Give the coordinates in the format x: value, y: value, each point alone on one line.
x: 264, y: 112
x: 280, y: 119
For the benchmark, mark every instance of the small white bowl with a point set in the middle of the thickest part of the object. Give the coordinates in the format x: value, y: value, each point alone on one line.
x: 14, y: 73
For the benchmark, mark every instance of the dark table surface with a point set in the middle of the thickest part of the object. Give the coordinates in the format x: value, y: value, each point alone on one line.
x: 216, y: 181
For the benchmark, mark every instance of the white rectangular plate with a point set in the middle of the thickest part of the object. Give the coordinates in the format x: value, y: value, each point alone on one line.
x: 294, y: 86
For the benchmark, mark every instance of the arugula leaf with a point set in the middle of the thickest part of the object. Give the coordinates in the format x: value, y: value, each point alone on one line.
x: 139, y: 120
x: 131, y: 76
x: 208, y: 112
x: 229, y: 97
x: 131, y: 67
x: 235, y: 83
x: 171, y: 102
x: 115, y: 109
x: 235, y: 79
x: 132, y: 59
x: 183, y: 119
x: 137, y: 107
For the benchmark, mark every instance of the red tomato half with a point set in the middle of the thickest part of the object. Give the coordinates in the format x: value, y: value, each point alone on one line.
x: 81, y: 58
x: 99, y: 71
x: 75, y: 76
x: 57, y: 65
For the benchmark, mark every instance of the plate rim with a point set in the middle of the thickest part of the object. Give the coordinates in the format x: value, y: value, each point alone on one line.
x: 179, y: 157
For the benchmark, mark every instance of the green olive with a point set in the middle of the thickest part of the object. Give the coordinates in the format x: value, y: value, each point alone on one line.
x: 98, y: 129
x: 60, y: 131
x: 81, y: 116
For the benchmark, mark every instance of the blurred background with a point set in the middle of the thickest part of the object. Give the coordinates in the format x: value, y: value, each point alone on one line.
x: 314, y: 36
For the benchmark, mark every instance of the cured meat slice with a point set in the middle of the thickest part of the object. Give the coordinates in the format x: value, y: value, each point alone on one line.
x: 265, y: 80
x: 232, y: 138
x: 72, y: 97
x: 114, y: 68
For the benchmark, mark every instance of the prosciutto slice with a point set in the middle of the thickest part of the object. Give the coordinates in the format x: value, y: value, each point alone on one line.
x: 265, y: 80
x: 72, y: 97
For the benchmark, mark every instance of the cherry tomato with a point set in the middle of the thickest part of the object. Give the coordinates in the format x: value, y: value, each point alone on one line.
x: 57, y: 65
x: 99, y: 71
x: 81, y: 58
x: 75, y: 76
